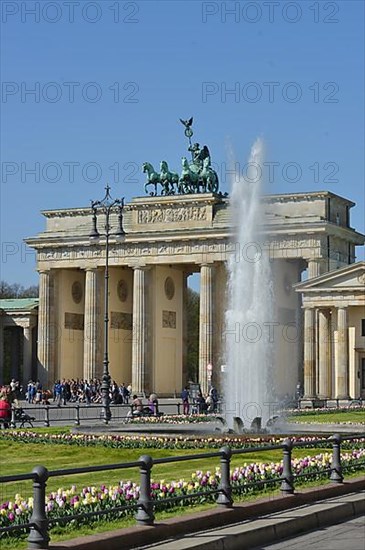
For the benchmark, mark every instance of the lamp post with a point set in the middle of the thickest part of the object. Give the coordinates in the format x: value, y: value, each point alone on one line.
x: 105, y: 207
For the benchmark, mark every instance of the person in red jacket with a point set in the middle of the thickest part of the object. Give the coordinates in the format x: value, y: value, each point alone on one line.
x: 5, y: 410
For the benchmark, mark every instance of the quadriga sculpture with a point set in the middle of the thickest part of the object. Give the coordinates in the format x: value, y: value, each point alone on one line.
x: 153, y: 178
x: 209, y: 177
x: 168, y: 179
x: 189, y: 179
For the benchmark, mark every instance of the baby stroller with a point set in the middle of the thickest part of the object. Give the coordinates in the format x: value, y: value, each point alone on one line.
x: 23, y: 418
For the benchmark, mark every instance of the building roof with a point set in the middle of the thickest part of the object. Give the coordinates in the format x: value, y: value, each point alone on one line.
x: 13, y: 304
x: 351, y: 278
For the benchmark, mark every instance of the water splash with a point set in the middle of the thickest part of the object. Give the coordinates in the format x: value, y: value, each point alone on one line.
x: 249, y: 351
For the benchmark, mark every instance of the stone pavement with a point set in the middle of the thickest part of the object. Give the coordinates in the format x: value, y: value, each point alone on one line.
x: 349, y: 535
x: 258, y: 533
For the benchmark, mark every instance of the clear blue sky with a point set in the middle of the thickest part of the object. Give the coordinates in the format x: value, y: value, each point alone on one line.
x: 303, y: 63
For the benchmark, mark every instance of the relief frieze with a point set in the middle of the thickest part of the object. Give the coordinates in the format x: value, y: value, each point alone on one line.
x: 174, y: 215
x: 74, y: 321
x: 121, y: 320
x: 168, y: 319
x: 224, y: 248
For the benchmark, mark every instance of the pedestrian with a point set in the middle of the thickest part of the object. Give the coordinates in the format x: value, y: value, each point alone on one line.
x: 214, y: 395
x: 137, y: 406
x: 209, y: 404
x: 126, y: 393
x: 5, y: 410
x: 201, y: 404
x: 153, y: 404
x: 57, y: 391
x: 30, y: 396
x: 185, y: 400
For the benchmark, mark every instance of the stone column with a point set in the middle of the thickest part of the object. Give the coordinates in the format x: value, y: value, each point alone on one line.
x: 342, y: 365
x: 316, y: 267
x: 27, y: 354
x: 324, y: 357
x: 90, y: 325
x: 45, y: 357
x: 185, y: 365
x: 2, y: 381
x: 205, y: 324
x: 309, y: 354
x: 139, y: 331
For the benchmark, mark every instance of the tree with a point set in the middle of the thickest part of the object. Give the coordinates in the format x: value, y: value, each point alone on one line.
x: 192, y: 314
x: 17, y: 291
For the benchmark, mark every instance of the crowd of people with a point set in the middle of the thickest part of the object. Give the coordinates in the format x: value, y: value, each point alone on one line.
x: 84, y: 391
x: 198, y: 403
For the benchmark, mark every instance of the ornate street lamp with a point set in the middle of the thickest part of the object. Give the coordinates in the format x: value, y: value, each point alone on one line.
x: 105, y: 207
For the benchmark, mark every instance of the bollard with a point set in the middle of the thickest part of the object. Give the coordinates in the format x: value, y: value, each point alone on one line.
x: 144, y: 515
x: 12, y: 419
x: 178, y: 408
x: 77, y: 415
x: 38, y: 537
x: 225, y: 489
x: 46, y: 416
x: 336, y: 469
x: 287, y: 477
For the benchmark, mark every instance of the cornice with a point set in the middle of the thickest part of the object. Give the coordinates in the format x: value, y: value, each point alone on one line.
x: 203, y: 198
x: 309, y: 196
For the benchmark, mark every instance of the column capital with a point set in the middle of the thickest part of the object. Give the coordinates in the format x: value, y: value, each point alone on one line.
x: 140, y: 267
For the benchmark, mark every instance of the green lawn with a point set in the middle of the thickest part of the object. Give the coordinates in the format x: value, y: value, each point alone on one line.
x: 21, y: 458
x: 355, y: 416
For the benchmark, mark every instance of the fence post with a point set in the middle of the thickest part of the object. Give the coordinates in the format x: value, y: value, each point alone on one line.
x: 77, y: 415
x: 336, y: 469
x: 46, y: 416
x: 287, y: 485
x: 144, y: 515
x: 225, y: 489
x: 38, y: 537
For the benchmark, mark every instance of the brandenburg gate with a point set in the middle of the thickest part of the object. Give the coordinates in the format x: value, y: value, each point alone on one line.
x: 167, y: 238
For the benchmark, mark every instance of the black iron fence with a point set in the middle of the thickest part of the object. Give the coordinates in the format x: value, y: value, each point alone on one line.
x: 144, y: 508
x: 46, y: 415
x: 77, y: 414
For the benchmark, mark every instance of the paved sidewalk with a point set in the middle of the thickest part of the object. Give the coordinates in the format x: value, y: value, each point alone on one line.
x: 349, y: 535
x: 255, y: 534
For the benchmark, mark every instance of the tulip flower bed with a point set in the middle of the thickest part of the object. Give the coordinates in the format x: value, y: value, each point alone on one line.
x: 326, y: 410
x: 63, y: 503
x: 156, y: 442
x: 342, y: 415
x: 174, y: 419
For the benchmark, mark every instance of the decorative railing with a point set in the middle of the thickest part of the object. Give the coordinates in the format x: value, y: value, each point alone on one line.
x: 144, y: 507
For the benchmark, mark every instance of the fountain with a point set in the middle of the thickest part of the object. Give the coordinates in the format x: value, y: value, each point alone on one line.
x: 249, y: 383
